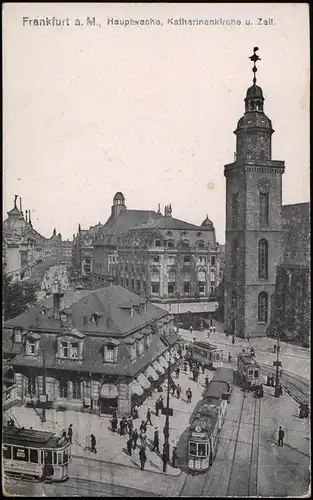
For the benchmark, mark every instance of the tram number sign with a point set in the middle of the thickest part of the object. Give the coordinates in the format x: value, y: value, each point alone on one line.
x: 276, y: 363
x: 167, y: 410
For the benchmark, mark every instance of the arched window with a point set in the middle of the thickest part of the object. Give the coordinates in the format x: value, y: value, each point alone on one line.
x: 234, y: 258
x: 170, y: 244
x: 262, y: 307
x: 263, y: 259
x: 200, y: 244
x: 185, y: 244
x: 264, y: 207
x: 155, y: 275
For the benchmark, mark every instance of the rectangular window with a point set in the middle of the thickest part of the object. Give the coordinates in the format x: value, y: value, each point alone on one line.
x: 201, y: 287
x: 63, y: 389
x: 76, y: 389
x: 212, y: 276
x: 33, y: 456
x: 235, y: 209
x: 74, y: 350
x: 157, y: 243
x: 31, y: 386
x: 6, y: 451
x: 31, y: 348
x: 171, y: 259
x: 155, y: 287
x: 186, y: 287
x: 212, y: 289
x: 85, y: 321
x: 170, y: 288
x: 64, y: 349
x: 156, y: 258
x: 187, y: 258
x: 264, y: 209
x: 20, y: 454
x: 193, y: 449
x: 256, y: 373
x: 213, y: 260
x: 110, y: 354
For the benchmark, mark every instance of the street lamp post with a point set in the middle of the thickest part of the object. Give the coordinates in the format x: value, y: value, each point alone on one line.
x: 43, y: 415
x: 178, y: 296
x: 166, y: 446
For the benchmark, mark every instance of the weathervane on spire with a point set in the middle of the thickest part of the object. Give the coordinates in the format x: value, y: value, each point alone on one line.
x: 255, y: 58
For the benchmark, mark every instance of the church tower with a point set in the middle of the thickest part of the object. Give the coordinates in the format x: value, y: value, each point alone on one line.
x: 253, y: 220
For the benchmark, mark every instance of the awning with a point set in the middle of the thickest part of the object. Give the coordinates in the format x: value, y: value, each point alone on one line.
x: 193, y: 307
x: 150, y: 372
x: 108, y: 391
x: 158, y: 367
x: 136, y: 388
x: 143, y: 381
x: 163, y: 362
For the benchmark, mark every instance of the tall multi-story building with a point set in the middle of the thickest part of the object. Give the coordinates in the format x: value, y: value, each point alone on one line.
x: 174, y: 263
x: 57, y: 249
x: 261, y: 245
x: 83, y: 249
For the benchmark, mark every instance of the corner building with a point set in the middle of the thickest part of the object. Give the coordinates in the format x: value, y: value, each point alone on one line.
x: 253, y: 222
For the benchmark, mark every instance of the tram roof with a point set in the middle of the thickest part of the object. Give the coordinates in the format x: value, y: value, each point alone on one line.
x: 216, y: 389
x: 205, y: 418
x: 29, y: 438
x: 223, y: 375
x: 247, y: 359
x: 204, y: 345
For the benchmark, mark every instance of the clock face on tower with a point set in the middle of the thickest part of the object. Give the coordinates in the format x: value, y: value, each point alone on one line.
x: 264, y: 185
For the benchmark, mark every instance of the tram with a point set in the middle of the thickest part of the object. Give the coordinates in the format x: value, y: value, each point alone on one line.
x: 248, y: 370
x: 206, y: 353
x: 36, y: 454
x: 205, y: 427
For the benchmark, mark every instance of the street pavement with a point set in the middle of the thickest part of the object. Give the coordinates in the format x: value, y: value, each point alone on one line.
x: 295, y: 359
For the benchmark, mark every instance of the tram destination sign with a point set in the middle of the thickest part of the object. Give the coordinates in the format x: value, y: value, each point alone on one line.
x: 276, y: 363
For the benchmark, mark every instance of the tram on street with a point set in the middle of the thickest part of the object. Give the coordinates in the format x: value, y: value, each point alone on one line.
x: 36, y: 454
x: 248, y: 370
x: 207, y: 354
x: 206, y: 424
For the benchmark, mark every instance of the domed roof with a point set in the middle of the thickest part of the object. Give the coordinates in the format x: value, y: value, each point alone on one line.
x: 253, y: 119
x: 254, y: 92
x: 207, y: 222
x: 119, y: 197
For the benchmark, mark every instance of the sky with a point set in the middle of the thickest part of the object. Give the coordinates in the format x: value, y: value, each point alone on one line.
x: 146, y: 110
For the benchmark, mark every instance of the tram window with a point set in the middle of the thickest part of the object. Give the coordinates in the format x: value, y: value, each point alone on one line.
x: 250, y: 372
x: 48, y: 457
x: 202, y: 450
x: 217, y: 356
x: 256, y: 373
x: 33, y: 456
x: 20, y: 454
x: 65, y: 457
x: 55, y: 458
x: 193, y: 449
x: 7, y: 452
x: 60, y: 458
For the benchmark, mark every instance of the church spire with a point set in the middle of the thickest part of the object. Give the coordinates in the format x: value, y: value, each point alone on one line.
x: 254, y: 59
x: 254, y: 99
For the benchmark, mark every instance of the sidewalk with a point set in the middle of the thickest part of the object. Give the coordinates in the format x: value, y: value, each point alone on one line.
x: 294, y: 359
x: 111, y: 447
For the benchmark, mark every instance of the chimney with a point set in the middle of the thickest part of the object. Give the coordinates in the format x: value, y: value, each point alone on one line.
x: 29, y: 213
x: 21, y: 205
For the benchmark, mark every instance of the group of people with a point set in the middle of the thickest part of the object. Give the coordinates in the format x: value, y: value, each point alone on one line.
x: 69, y: 434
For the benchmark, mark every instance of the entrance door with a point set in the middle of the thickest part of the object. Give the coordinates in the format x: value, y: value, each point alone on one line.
x: 108, y: 399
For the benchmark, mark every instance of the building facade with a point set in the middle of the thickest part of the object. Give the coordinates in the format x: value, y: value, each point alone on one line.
x: 253, y: 221
x: 89, y: 350
x: 57, y: 249
x: 82, y: 254
x: 173, y: 263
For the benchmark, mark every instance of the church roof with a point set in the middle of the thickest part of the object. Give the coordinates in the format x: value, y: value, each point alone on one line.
x: 168, y: 223
x: 254, y: 92
x: 207, y: 222
x: 252, y: 119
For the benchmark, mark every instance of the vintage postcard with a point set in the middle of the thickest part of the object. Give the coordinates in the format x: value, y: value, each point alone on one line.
x: 156, y: 250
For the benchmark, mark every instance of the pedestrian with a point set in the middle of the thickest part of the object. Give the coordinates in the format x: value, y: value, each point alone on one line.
x: 64, y: 433
x: 177, y: 372
x: 173, y: 388
x: 114, y: 423
x: 274, y: 348
x: 93, y: 443
x: 143, y: 440
x: 135, y: 412
x: 273, y: 381
x: 203, y: 368
x: 156, y: 440
x: 185, y: 366
x: 122, y: 427
x: 252, y: 353
x: 189, y: 395
x: 281, y: 434
x: 206, y: 381
x: 148, y: 418
x: 268, y: 380
x: 143, y: 458
x: 157, y: 407
x: 261, y: 391
x: 175, y: 457
x: 248, y: 337
x: 161, y: 403
x: 130, y: 426
x: 135, y: 438
x: 191, y: 329
x: 129, y: 445
x: 229, y: 357
x: 233, y: 340
x: 70, y: 433
x: 280, y: 390
x: 178, y: 391
x: 143, y: 427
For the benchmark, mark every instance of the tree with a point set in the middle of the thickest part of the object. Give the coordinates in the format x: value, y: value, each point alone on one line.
x: 18, y: 296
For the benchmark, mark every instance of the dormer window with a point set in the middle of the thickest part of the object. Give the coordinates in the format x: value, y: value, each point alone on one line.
x: 95, y: 318
x: 64, y: 349
x: 32, y: 344
x: 31, y: 347
x: 18, y: 336
x: 110, y: 352
x: 70, y: 346
x: 74, y: 350
x: 140, y: 347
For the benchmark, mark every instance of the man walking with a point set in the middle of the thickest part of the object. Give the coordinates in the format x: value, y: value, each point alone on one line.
x: 173, y: 387
x: 148, y: 419
x: 177, y: 372
x: 129, y: 445
x: 157, y: 407
x: 130, y: 426
x: 281, y: 434
x: 189, y: 395
x: 114, y: 424
x: 122, y: 427
x: 206, y: 381
x: 233, y: 340
x: 70, y: 433
x: 135, y: 438
x: 93, y: 443
x: 178, y: 391
x: 248, y: 337
x: 156, y: 440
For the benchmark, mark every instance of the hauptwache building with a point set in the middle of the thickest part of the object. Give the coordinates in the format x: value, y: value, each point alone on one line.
x: 89, y: 350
